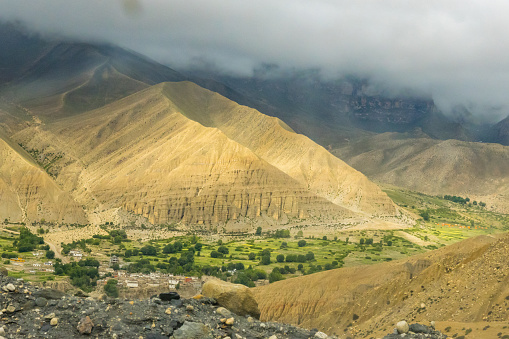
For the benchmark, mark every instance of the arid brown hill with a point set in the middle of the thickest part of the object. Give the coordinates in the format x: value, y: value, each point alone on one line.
x: 27, y: 192
x: 462, y: 283
x: 178, y: 152
x: 475, y: 170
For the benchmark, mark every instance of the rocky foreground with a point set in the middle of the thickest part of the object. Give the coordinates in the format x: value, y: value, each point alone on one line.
x: 32, y: 312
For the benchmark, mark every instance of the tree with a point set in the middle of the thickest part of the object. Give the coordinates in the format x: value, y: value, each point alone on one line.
x: 50, y: 254
x: 284, y: 244
x: 111, y: 288
x: 361, y: 242
x: 251, y: 256
x: 223, y: 249
x: 216, y: 254
x: 310, y: 256
x: 324, y: 237
x: 258, y: 231
x: 280, y: 258
x: 148, y: 250
x: 198, y: 247
x: 425, y: 215
x: 301, y: 243
x: 300, y: 234
x: 266, y: 260
x: 275, y: 276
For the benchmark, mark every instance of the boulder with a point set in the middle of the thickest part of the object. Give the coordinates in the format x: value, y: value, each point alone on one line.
x: 418, y: 328
x: 169, y: 296
x: 49, y: 293
x: 235, y: 297
x: 85, y: 325
x: 402, y: 327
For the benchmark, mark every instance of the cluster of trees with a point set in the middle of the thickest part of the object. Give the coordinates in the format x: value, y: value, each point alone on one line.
x: 27, y: 241
x: 302, y: 258
x: 81, y: 244
x: 111, y: 289
x: 221, y: 252
x: 249, y: 276
x: 456, y: 199
x: 281, y: 234
x: 83, y: 274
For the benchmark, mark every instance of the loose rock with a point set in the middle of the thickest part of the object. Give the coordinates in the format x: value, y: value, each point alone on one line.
x: 54, y: 322
x: 85, y: 325
x: 191, y: 330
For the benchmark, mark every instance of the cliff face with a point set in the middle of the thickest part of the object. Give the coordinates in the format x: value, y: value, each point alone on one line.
x: 177, y: 152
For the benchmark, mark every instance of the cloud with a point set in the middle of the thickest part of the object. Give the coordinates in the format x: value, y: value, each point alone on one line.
x: 454, y: 49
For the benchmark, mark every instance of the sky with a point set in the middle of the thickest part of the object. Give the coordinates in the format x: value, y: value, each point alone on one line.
x: 454, y: 50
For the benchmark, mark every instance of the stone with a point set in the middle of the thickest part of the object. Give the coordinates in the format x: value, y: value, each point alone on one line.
x: 169, y: 296
x: 223, y: 311
x: 273, y: 337
x: 229, y: 321
x: 189, y: 308
x: 418, y: 328
x: 192, y: 330
x: 10, y: 309
x: 49, y: 293
x: 321, y: 335
x: 432, y: 324
x: 10, y: 287
x: 250, y: 319
x: 45, y: 328
x: 237, y: 298
x: 423, y: 305
x: 2, y: 331
x: 168, y: 311
x: 49, y: 316
x: 402, y: 327
x: 41, y: 301
x: 54, y: 322
x: 85, y: 325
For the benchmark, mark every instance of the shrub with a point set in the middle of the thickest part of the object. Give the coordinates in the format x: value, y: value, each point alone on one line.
x: 301, y: 243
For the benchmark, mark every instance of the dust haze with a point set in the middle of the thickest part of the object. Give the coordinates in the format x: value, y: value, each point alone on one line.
x: 454, y: 50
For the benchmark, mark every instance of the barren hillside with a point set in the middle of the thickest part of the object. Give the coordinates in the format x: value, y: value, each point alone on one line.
x: 452, y: 167
x: 177, y: 152
x: 462, y: 283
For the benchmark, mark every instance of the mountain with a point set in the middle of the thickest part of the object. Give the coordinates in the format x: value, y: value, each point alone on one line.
x: 176, y: 152
x: 332, y: 112
x: 27, y: 192
x: 472, y: 169
x: 462, y: 285
x: 501, y: 132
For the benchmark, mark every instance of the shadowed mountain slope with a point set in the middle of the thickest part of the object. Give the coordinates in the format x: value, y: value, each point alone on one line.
x: 450, y: 167
x: 178, y: 152
x: 465, y: 282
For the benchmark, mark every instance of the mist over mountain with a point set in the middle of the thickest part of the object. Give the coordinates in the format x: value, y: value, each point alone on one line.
x: 452, y: 52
